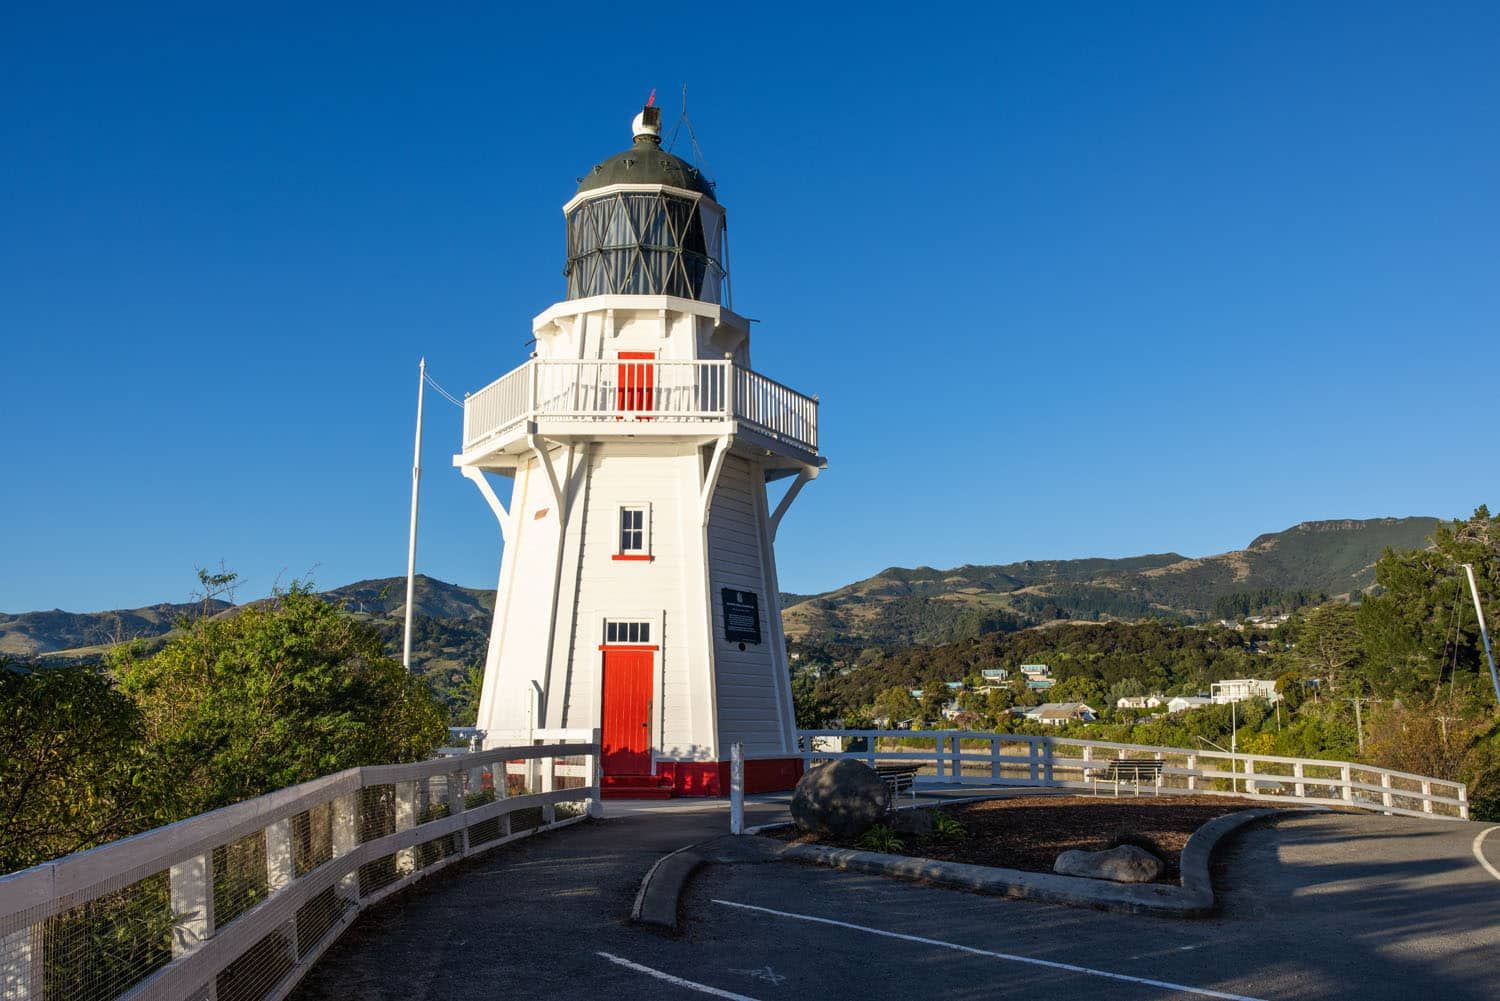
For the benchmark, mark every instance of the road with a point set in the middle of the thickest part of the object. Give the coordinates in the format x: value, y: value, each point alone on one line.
x: 1317, y: 906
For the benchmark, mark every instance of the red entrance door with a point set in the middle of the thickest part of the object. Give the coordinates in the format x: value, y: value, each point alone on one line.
x: 635, y: 392
x: 627, y: 711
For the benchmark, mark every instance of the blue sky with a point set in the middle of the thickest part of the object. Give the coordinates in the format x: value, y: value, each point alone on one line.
x: 1070, y: 280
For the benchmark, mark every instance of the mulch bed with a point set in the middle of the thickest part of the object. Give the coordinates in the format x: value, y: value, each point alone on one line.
x: 1029, y: 832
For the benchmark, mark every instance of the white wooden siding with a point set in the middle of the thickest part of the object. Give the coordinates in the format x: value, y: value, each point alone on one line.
x: 747, y: 700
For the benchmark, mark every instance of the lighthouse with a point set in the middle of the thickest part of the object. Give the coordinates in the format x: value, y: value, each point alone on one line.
x: 652, y: 465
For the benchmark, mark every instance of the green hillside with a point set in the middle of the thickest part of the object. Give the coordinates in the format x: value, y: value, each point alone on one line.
x: 924, y: 605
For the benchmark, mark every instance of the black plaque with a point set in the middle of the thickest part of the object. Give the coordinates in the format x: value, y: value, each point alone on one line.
x: 741, y: 616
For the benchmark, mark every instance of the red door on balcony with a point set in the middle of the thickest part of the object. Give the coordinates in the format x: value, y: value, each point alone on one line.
x: 626, y: 705
x: 635, y: 392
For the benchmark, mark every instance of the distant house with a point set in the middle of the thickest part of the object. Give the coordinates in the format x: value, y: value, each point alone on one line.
x: 951, y: 711
x: 1139, y: 702
x: 1180, y: 703
x: 1036, y: 670
x: 993, y: 675
x: 954, y: 686
x: 1039, y: 684
x: 916, y: 693
x: 1058, y: 713
x: 1240, y: 689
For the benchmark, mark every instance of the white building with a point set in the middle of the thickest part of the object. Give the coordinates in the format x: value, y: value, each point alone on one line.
x: 1138, y: 702
x: 638, y: 588
x: 1178, y: 703
x: 1058, y: 713
x: 1240, y: 689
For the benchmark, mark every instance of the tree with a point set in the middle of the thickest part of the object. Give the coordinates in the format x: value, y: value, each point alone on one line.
x: 69, y: 747
x: 896, y: 704
x: 276, y: 694
x: 1329, y: 642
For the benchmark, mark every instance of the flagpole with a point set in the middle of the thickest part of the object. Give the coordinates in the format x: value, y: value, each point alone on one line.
x: 411, y: 545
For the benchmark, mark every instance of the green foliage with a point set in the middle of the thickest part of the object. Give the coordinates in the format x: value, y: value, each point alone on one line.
x: 881, y: 838
x: 68, y: 763
x: 946, y: 827
x: 275, y: 694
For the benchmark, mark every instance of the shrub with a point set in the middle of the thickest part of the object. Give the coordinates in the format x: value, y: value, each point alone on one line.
x: 881, y: 838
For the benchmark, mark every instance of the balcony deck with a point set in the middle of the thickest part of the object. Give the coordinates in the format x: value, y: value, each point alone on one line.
x: 596, y: 399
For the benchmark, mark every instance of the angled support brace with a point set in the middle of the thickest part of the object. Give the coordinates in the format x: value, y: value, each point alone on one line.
x: 501, y: 514
x: 711, y: 477
x: 539, y: 448
x: 806, y: 476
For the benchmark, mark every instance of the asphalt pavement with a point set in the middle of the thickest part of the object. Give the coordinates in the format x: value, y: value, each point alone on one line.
x: 1314, y: 906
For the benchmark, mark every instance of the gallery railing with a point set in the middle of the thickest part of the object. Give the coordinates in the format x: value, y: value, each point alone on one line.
x: 619, y: 391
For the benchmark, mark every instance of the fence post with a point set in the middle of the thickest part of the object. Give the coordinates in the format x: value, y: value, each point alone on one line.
x: 21, y: 964
x: 1032, y: 762
x: 1250, y: 776
x: 548, y: 773
x: 957, y: 770
x: 1299, y: 773
x: 596, y: 779
x: 1426, y: 796
x: 1463, y: 802
x: 1192, y: 768
x: 191, y: 884
x: 995, y: 759
x: 1386, y: 799
x: 737, y: 788
x: 1346, y: 775
x: 345, y: 839
x: 279, y: 867
x: 1047, y: 755
x: 937, y: 757
x: 406, y: 819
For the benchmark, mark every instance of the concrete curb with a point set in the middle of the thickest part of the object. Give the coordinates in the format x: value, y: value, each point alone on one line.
x: 661, y: 889
x: 1193, y: 899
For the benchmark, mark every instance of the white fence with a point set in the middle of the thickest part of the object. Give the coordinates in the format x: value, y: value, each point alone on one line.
x: 236, y: 904
x: 618, y: 390
x: 976, y: 758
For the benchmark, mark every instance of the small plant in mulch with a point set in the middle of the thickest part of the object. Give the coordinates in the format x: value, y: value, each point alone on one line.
x: 881, y: 838
x: 945, y: 827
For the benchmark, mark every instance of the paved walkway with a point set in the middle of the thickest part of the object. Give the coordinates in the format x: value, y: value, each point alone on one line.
x: 1318, y: 906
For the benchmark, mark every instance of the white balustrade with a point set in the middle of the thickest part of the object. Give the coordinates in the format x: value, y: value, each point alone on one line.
x: 1063, y: 761
x: 623, y: 390
x: 194, y: 909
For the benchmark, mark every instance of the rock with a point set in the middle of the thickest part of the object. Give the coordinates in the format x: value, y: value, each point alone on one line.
x: 1125, y: 864
x: 842, y: 798
x: 915, y: 822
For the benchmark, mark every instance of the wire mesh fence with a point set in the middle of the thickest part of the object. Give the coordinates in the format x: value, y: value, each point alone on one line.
x: 269, y: 882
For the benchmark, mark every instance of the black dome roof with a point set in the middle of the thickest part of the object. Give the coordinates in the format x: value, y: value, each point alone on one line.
x: 645, y: 163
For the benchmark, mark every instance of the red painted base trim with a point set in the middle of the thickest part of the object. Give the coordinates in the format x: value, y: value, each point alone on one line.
x: 632, y: 557
x: 711, y: 778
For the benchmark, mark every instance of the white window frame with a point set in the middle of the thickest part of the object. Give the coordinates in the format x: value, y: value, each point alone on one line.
x: 645, y: 511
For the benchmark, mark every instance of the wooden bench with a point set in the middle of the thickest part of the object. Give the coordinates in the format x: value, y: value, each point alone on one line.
x: 899, y: 779
x: 1134, y: 770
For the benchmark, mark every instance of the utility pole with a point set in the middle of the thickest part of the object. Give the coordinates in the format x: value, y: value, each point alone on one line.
x: 1359, y: 721
x: 1484, y: 633
x: 411, y: 544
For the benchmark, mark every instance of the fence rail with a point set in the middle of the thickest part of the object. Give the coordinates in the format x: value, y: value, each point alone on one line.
x: 236, y: 905
x: 616, y: 390
x: 949, y: 757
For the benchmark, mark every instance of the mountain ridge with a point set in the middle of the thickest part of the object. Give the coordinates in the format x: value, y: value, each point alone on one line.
x: 898, y: 605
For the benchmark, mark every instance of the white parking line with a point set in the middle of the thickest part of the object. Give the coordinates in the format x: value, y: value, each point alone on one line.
x: 1201, y: 992
x: 691, y: 985
x: 1479, y: 851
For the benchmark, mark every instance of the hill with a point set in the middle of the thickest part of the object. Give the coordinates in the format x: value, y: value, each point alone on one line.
x: 924, y: 605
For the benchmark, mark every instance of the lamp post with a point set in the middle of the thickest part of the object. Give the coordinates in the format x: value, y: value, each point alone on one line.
x: 1484, y: 633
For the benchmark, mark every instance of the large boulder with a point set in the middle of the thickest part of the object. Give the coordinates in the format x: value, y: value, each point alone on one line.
x: 1124, y: 864
x: 843, y: 798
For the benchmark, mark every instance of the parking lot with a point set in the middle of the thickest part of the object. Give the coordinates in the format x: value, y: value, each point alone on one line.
x: 1321, y: 906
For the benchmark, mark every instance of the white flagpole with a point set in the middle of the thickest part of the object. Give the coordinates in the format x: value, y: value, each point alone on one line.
x: 411, y: 546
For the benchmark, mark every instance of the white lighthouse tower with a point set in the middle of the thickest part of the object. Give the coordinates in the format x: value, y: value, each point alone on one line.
x: 638, y: 588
